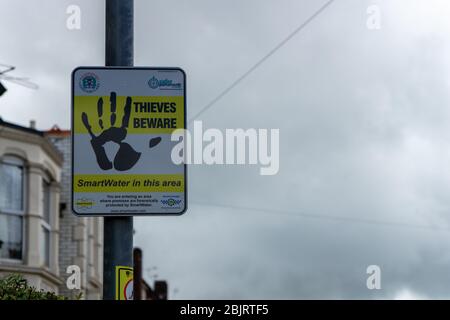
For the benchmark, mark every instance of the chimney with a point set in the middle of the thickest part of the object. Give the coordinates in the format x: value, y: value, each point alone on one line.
x: 33, y: 124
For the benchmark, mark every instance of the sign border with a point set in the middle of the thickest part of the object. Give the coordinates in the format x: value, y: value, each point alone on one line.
x: 72, y: 141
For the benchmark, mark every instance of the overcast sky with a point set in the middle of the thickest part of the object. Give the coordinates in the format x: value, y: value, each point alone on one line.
x: 364, y: 131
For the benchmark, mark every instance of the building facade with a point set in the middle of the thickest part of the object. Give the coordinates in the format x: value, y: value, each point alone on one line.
x: 40, y: 238
x: 30, y: 186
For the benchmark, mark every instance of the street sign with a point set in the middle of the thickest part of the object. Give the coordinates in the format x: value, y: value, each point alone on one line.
x: 124, y: 283
x: 122, y: 121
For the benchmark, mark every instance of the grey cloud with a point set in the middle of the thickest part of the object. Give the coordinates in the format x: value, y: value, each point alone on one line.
x: 363, y: 125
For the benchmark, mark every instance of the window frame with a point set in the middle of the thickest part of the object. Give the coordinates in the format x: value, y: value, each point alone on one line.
x: 46, y: 226
x: 15, y: 160
x: 12, y: 160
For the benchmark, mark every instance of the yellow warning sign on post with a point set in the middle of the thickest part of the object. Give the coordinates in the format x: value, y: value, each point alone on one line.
x: 124, y: 283
x: 123, y: 121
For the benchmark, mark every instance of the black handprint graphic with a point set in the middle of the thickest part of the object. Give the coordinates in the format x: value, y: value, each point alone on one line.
x: 126, y: 156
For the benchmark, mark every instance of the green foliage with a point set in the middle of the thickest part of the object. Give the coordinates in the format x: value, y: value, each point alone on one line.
x: 15, y: 287
x: 79, y: 296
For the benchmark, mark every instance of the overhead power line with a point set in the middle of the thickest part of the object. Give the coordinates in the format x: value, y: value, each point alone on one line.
x: 261, y: 61
x: 298, y: 214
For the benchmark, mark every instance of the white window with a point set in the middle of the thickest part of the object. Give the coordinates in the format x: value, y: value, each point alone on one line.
x: 11, y: 207
x: 46, y: 222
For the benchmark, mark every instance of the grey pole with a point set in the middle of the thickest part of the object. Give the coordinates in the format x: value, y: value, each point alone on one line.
x: 118, y: 231
x: 137, y: 280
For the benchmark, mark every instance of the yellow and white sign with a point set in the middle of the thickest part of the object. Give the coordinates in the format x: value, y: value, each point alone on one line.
x: 124, y: 283
x: 122, y: 121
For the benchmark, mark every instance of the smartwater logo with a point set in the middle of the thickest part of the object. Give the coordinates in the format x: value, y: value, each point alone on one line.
x: 84, y: 203
x: 164, y: 84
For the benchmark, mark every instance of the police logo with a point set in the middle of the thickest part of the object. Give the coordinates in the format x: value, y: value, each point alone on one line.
x: 89, y: 82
